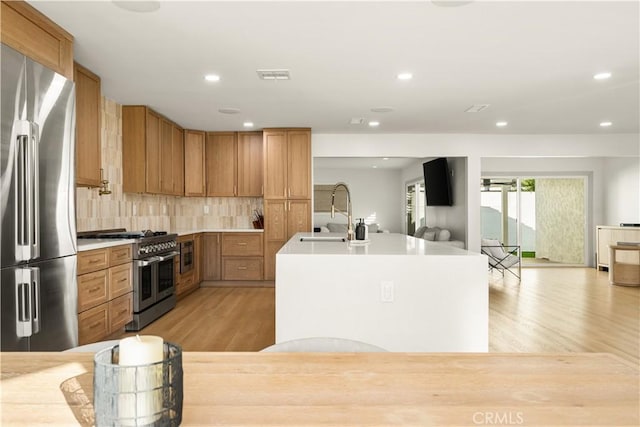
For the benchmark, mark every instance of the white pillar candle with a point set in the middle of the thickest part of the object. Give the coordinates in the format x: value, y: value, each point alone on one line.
x: 146, y: 381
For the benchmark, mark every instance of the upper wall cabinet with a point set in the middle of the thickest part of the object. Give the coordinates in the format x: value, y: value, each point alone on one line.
x: 287, y: 163
x: 194, y: 163
x: 234, y: 164
x: 88, y: 102
x: 28, y: 31
x: 152, y: 152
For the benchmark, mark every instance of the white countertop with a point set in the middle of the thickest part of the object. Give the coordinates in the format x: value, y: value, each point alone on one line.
x: 90, y: 244
x: 380, y: 244
x: 218, y: 230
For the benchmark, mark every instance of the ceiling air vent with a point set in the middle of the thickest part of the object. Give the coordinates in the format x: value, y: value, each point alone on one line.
x: 280, y: 74
x: 357, y: 121
x: 476, y: 108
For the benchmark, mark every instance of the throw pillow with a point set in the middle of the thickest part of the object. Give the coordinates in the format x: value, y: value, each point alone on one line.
x: 493, y: 247
x: 444, y: 235
x: 420, y: 231
x: 373, y: 228
x: 429, y: 235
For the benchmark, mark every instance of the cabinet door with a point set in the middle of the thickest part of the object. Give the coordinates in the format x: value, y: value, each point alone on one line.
x: 88, y: 106
x: 211, y: 256
x: 220, y: 153
x: 134, y: 141
x: 153, y: 152
x: 275, y: 164
x: 298, y: 217
x: 197, y: 259
x: 166, y: 153
x: 178, y: 160
x: 194, y: 163
x: 250, y: 164
x: 275, y: 220
x: 299, y: 164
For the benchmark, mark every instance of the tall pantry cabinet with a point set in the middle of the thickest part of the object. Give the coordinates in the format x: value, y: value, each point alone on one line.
x: 287, y: 189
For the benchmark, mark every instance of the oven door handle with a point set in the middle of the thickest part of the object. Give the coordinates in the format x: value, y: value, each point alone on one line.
x: 168, y: 256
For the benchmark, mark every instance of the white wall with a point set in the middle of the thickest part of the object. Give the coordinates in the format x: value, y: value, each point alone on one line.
x: 622, y: 190
x: 374, y: 194
x: 517, y: 150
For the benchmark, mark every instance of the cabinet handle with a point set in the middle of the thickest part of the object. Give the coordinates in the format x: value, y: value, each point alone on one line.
x: 123, y: 311
x: 95, y: 325
x: 92, y: 290
x: 289, y: 192
x: 235, y: 190
x: 242, y: 268
x: 262, y: 190
x: 93, y: 261
x: 242, y: 243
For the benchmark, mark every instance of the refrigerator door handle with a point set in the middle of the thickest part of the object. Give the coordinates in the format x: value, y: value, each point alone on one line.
x: 35, y: 299
x: 26, y: 181
x: 23, y: 304
x: 34, y: 217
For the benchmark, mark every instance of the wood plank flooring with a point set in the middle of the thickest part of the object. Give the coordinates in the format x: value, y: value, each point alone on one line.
x: 551, y: 310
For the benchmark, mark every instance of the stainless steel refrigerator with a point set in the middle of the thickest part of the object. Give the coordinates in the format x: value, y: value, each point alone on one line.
x: 38, y: 291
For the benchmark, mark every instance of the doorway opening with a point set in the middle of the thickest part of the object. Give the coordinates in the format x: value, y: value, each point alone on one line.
x: 545, y: 216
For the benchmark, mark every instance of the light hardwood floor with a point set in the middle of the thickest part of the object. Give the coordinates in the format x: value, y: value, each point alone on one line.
x: 551, y: 310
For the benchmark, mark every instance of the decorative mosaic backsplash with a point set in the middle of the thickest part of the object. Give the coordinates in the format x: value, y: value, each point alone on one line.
x: 150, y: 212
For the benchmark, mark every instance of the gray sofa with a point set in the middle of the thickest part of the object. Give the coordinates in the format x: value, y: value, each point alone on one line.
x: 437, y: 235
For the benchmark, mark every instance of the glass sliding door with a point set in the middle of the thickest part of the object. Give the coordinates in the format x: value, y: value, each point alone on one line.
x: 415, y: 206
x: 545, y: 216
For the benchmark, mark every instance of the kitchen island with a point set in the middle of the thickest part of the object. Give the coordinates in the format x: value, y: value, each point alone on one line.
x: 346, y: 389
x: 396, y: 292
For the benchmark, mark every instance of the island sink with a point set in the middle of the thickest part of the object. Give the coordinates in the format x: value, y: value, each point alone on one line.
x: 322, y: 239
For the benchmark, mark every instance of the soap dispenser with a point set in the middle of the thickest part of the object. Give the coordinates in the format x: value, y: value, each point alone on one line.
x: 360, y: 230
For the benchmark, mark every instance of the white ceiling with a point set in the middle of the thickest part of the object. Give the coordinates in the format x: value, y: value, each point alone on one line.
x: 533, y: 62
x: 395, y: 163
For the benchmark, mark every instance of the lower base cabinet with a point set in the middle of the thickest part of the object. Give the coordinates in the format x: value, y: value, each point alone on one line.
x: 188, y: 281
x: 105, y: 292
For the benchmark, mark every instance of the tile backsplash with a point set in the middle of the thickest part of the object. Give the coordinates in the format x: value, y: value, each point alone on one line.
x: 150, y: 212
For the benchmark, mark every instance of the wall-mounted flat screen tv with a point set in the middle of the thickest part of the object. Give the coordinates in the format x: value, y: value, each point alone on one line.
x: 437, y: 182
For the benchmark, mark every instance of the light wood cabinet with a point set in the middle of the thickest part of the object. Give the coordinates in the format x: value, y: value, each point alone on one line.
x: 194, y: 163
x: 249, y: 164
x: 105, y: 289
x: 234, y: 164
x: 197, y: 258
x: 287, y: 163
x: 221, y: 158
x: 30, y: 32
x: 283, y: 219
x: 242, y: 256
x: 611, y: 235
x: 211, y: 256
x: 287, y: 189
x: 88, y: 106
x: 152, y: 152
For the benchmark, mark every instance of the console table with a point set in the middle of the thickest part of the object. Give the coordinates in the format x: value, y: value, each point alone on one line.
x: 624, y: 273
x: 610, y: 235
x: 347, y: 389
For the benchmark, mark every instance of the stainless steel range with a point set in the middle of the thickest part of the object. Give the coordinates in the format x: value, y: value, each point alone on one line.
x: 153, y: 272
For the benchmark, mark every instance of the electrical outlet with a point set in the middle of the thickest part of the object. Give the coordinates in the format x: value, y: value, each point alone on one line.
x: 386, y: 291
x: 206, y: 209
x: 135, y: 210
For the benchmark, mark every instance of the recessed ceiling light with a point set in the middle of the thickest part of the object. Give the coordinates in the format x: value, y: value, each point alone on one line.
x: 501, y: 124
x: 138, y: 6
x: 385, y: 158
x: 382, y: 109
x: 405, y: 76
x: 274, y: 74
x: 374, y: 123
x: 229, y: 110
x: 248, y: 124
x: 212, y: 77
x: 602, y: 76
x: 605, y: 124
x: 374, y: 166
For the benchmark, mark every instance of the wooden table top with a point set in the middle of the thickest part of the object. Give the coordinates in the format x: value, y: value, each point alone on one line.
x: 347, y: 389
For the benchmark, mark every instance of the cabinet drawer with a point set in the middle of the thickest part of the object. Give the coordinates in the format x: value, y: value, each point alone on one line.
x: 245, y: 268
x: 241, y: 244
x: 120, y: 312
x: 92, y: 290
x: 120, y: 280
x: 185, y: 283
x: 119, y: 255
x: 89, y: 261
x: 93, y: 324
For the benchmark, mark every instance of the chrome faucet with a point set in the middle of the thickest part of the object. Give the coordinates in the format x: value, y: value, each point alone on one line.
x: 350, y: 234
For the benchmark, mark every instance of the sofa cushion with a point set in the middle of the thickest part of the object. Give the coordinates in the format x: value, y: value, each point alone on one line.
x: 336, y: 227
x: 419, y: 232
x: 444, y: 235
x: 429, y: 235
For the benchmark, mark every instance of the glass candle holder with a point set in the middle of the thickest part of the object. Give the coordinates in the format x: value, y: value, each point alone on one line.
x: 141, y: 395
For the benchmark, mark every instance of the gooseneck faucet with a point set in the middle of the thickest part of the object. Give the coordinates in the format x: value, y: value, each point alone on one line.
x: 350, y: 234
